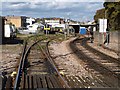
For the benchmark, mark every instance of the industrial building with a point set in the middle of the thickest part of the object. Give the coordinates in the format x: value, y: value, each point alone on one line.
x: 18, y: 21
x: 30, y: 21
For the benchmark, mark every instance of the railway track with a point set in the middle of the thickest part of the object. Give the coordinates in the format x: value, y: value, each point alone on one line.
x: 104, y: 69
x: 37, y: 69
x: 109, y: 62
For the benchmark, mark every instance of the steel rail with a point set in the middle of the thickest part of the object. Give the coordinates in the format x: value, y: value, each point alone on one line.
x: 23, y: 60
x: 21, y: 65
x: 84, y: 40
x: 53, y: 64
x: 114, y: 60
x: 49, y: 58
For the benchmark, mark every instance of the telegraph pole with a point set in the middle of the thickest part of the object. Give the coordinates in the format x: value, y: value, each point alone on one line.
x: 68, y: 26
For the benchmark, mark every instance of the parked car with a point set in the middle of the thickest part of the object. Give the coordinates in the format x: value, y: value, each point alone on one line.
x: 23, y: 30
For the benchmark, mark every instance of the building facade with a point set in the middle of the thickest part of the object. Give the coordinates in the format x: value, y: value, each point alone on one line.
x: 30, y: 21
x: 18, y: 21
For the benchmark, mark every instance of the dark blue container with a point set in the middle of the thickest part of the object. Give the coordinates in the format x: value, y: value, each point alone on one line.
x: 82, y: 30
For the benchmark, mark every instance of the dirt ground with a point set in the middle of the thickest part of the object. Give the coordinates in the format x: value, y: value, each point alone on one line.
x: 9, y: 55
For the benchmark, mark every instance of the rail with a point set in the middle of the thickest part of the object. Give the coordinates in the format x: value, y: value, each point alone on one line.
x: 51, y: 61
x: 23, y: 60
x: 21, y: 65
x: 20, y: 68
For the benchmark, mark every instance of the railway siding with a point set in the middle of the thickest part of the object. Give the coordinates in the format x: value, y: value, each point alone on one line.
x: 36, y: 61
x: 80, y: 67
x: 75, y: 63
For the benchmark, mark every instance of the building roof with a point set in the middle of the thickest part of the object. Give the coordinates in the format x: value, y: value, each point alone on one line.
x: 15, y: 17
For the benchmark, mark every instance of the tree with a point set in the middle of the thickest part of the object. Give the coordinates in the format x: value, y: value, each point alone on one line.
x: 112, y: 13
x: 99, y: 14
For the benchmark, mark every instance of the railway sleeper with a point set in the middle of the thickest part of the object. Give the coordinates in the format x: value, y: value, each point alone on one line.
x: 6, y: 83
x: 87, y: 82
x: 40, y: 81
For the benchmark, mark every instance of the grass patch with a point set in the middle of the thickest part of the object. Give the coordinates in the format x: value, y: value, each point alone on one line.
x: 49, y: 37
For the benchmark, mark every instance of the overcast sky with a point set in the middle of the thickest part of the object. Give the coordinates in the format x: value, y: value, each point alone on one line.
x: 80, y: 10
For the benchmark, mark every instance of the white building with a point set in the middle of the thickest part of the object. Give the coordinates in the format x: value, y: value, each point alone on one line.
x: 59, y: 25
x: 55, y: 23
x: 52, y: 22
x: 30, y: 21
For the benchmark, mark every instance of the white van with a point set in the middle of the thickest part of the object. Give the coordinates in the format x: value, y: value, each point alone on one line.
x: 34, y: 27
x: 9, y: 31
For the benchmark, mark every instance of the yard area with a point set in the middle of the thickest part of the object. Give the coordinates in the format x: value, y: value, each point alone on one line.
x: 10, y: 51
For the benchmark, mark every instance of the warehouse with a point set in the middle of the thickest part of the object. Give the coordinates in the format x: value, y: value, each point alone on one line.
x: 18, y: 21
x: 76, y: 27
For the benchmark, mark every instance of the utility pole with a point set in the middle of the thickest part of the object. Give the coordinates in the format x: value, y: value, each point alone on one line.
x: 107, y: 31
x: 65, y: 28
x: 46, y: 29
x: 68, y: 26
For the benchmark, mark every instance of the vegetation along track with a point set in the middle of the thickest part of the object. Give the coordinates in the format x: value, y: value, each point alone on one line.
x: 104, y: 69
x: 37, y: 70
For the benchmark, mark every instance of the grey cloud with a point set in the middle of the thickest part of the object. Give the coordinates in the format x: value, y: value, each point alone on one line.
x: 77, y: 10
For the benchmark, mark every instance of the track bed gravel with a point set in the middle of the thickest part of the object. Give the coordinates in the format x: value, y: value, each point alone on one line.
x: 65, y: 58
x: 71, y: 64
x: 9, y: 56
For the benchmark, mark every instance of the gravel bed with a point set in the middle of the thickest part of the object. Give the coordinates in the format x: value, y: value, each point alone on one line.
x: 9, y: 56
x: 105, y: 51
x: 65, y: 59
x: 71, y: 65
